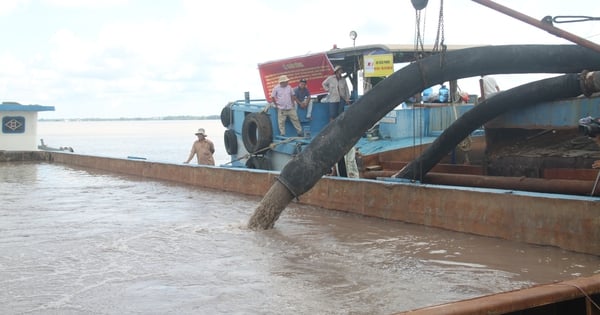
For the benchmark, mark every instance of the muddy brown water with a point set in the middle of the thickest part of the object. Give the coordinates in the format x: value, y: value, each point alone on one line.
x: 77, y: 241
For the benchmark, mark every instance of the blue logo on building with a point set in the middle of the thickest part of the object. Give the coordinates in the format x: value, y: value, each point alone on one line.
x: 13, y: 124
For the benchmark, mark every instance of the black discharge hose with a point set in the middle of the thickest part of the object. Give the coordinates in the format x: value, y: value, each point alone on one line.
x: 305, y: 170
x: 520, y: 97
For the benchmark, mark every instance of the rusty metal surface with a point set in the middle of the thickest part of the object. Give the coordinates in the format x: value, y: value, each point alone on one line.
x: 558, y: 186
x: 527, y: 301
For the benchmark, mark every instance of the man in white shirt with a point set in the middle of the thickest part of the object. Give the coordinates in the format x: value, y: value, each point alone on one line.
x: 283, y: 98
x: 338, y: 90
x: 489, y: 86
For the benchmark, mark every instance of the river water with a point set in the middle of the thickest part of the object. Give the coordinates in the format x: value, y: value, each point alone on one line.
x: 156, y: 140
x: 81, y: 241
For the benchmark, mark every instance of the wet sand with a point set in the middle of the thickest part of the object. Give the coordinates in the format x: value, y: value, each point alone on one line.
x: 77, y: 241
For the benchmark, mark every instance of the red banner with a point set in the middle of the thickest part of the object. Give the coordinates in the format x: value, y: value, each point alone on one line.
x: 313, y: 68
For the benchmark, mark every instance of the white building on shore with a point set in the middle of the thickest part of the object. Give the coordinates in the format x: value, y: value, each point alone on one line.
x: 19, y: 126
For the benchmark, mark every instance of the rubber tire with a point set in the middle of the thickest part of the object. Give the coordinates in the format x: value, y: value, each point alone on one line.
x: 259, y: 162
x: 226, y: 116
x: 230, y: 139
x: 257, y: 132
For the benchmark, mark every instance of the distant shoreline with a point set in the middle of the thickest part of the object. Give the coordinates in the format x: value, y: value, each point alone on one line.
x: 211, y: 117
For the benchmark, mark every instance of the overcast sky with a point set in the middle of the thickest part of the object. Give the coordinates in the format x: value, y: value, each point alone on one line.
x: 140, y: 58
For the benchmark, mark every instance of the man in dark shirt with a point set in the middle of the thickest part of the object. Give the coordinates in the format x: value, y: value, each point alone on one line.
x: 302, y: 98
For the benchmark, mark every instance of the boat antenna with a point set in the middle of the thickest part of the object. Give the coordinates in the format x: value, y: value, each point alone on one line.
x: 354, y: 78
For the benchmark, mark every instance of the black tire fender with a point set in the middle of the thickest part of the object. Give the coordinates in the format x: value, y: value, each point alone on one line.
x: 227, y: 116
x: 259, y: 162
x: 230, y: 139
x: 257, y: 132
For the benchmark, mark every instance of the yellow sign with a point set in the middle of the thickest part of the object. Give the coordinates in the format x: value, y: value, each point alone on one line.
x: 378, y: 65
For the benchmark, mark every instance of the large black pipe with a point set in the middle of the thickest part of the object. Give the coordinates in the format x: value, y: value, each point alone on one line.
x: 302, y: 173
x: 525, y: 95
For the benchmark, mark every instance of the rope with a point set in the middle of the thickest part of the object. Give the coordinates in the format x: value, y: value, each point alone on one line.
x: 595, y: 184
x: 582, y: 292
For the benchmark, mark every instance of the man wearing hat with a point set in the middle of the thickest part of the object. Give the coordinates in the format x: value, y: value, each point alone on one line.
x: 203, y: 149
x: 302, y: 97
x: 338, y: 90
x: 283, y: 99
x: 339, y: 95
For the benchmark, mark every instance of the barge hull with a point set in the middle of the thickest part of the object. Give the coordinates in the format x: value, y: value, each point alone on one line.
x: 564, y: 221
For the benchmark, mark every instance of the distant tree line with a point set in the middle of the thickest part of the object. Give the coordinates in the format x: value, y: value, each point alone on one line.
x: 210, y: 117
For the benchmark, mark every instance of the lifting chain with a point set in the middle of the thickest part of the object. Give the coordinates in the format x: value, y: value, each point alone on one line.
x: 419, y: 35
x: 439, y: 39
